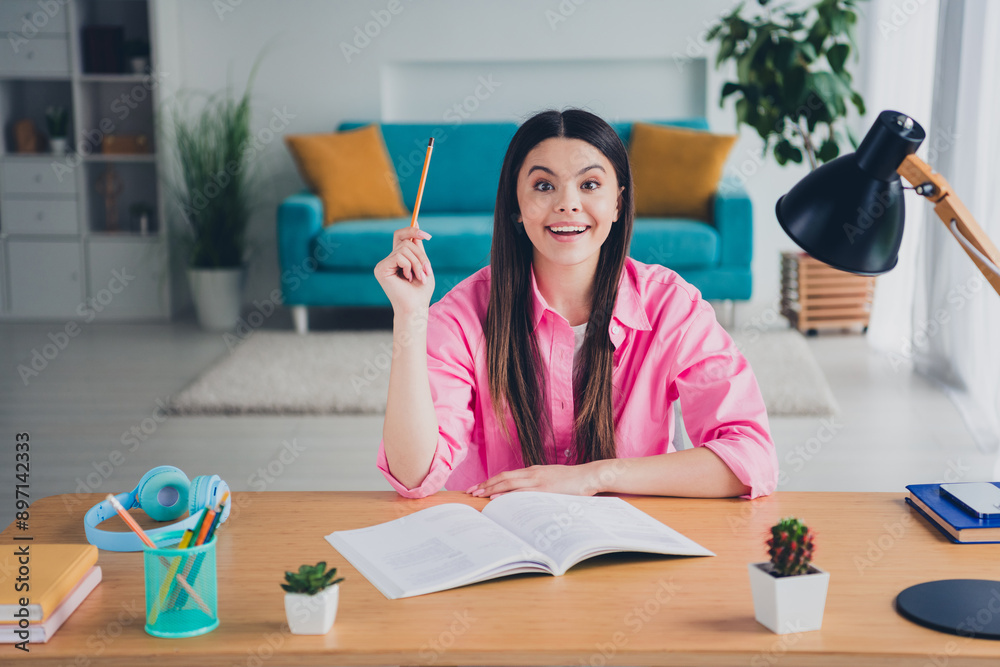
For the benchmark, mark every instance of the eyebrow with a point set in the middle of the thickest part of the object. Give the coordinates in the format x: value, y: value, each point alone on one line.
x: 549, y: 171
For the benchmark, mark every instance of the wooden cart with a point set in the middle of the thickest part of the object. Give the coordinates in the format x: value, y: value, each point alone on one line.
x: 817, y: 296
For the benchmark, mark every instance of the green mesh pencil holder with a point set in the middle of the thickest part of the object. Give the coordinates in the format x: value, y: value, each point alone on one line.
x: 181, y: 599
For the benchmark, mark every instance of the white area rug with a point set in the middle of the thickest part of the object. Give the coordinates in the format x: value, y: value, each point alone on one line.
x: 348, y: 372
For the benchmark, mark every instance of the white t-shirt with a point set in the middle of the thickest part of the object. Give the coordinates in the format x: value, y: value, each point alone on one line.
x: 579, y: 331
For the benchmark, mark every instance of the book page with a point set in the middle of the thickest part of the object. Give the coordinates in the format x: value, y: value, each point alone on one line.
x: 435, y: 549
x: 571, y: 528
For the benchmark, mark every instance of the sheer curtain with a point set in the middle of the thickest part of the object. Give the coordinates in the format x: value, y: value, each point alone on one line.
x: 956, y: 315
x: 940, y: 63
x: 899, y: 55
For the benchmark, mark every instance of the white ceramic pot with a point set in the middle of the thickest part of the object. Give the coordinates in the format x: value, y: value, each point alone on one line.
x: 788, y: 604
x: 218, y: 295
x: 58, y: 145
x: 139, y: 64
x: 312, y: 614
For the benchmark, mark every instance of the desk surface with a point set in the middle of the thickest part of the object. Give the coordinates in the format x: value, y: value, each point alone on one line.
x: 620, y: 609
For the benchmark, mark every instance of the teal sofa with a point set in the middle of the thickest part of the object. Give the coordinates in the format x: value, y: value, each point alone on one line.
x: 334, y: 266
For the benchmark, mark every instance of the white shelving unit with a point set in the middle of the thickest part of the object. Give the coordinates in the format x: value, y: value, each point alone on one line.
x: 58, y: 259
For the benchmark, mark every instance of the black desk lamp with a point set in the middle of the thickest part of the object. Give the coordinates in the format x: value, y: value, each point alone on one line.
x: 848, y: 213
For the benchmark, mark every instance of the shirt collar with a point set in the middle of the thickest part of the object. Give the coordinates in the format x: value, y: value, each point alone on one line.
x: 628, y: 309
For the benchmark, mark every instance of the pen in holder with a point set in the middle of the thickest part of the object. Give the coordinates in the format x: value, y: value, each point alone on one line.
x: 181, y: 596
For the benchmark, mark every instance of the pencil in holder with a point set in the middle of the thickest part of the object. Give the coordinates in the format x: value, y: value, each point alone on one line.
x: 181, y: 595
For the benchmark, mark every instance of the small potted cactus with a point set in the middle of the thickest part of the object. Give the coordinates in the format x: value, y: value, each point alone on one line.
x: 789, y: 592
x: 311, y: 596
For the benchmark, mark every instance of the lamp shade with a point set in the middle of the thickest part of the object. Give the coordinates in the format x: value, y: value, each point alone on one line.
x: 849, y: 212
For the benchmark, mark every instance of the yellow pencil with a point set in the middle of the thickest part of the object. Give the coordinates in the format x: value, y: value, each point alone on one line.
x: 423, y: 179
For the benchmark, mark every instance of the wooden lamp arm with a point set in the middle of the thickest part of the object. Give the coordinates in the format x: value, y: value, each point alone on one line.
x: 951, y: 210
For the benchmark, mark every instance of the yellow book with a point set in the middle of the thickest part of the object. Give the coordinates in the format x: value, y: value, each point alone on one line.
x: 43, y: 576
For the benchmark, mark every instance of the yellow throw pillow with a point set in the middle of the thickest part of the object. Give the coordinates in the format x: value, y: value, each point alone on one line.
x: 351, y: 173
x: 676, y: 171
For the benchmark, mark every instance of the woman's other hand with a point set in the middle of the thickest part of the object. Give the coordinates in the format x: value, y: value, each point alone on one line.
x: 576, y: 480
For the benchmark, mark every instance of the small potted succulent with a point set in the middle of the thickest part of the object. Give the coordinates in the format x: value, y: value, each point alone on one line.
x: 789, y: 592
x: 311, y: 596
x: 57, y: 121
x: 137, y: 55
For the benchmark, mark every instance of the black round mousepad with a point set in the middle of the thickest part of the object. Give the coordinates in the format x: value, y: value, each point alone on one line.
x: 965, y: 607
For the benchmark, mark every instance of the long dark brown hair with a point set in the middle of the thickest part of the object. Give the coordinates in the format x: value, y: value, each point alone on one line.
x: 516, y: 375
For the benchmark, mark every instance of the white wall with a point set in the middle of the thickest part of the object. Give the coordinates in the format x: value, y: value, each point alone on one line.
x: 307, y: 78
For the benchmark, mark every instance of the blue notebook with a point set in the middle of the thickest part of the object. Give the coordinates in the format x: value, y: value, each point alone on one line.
x: 957, y: 525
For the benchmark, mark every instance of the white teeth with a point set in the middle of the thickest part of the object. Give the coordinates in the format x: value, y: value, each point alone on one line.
x: 568, y: 229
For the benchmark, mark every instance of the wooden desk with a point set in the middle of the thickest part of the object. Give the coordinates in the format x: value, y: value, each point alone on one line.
x: 613, y: 610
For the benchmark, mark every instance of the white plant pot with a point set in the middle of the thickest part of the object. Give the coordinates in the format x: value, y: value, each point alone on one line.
x: 58, y: 145
x: 218, y: 295
x: 139, y: 64
x: 788, y: 604
x: 312, y: 614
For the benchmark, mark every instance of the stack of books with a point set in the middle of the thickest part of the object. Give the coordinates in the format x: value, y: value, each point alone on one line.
x: 59, y: 578
x: 957, y: 525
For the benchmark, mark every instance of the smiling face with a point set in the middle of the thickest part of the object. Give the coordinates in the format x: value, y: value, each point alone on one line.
x: 568, y: 196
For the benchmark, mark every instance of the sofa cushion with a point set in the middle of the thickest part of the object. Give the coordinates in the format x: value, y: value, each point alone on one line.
x: 676, y: 170
x: 676, y: 244
x: 624, y: 130
x: 351, y: 173
x: 460, y: 241
x: 465, y: 165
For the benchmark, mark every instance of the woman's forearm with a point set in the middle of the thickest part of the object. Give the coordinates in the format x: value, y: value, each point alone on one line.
x: 693, y: 473
x: 410, y: 430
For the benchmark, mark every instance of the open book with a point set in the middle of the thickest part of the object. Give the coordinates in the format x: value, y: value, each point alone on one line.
x: 453, y: 545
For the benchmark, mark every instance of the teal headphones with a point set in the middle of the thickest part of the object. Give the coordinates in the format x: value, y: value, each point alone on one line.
x: 164, y: 493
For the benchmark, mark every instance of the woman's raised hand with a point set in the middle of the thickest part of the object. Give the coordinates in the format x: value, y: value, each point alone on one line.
x: 405, y: 274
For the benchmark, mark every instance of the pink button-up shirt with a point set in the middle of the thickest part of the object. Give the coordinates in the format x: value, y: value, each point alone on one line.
x: 668, y: 347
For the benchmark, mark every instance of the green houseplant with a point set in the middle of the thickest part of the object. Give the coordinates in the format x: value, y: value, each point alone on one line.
x: 792, y: 81
x: 789, y: 591
x: 57, y: 123
x: 311, y: 596
x: 212, y: 185
x: 792, y: 84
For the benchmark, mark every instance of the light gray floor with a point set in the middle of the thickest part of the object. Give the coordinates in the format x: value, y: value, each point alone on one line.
x: 895, y: 429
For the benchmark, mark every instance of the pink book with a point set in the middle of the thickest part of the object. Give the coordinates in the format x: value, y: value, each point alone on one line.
x: 39, y: 633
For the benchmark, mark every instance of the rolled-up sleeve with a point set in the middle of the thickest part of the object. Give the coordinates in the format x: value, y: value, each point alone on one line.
x: 452, y: 376
x: 721, y: 401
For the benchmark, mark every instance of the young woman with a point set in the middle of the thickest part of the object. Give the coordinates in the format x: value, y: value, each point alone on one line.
x: 556, y: 367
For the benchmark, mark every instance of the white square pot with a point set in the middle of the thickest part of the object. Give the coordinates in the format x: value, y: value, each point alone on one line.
x: 312, y: 614
x: 788, y: 604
